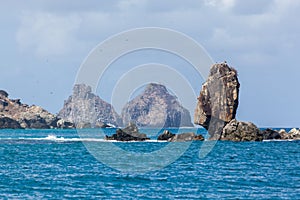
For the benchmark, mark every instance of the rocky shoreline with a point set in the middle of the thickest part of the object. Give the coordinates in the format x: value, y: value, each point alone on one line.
x: 16, y: 115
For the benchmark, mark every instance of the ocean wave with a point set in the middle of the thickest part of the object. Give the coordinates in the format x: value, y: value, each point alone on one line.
x: 63, y: 139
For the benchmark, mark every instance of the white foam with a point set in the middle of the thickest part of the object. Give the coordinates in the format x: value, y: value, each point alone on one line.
x: 290, y: 140
x: 62, y: 139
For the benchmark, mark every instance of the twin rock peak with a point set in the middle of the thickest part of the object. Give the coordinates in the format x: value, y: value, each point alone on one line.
x: 155, y: 107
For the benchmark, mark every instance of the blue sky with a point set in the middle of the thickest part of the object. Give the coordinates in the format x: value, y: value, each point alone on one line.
x: 44, y: 43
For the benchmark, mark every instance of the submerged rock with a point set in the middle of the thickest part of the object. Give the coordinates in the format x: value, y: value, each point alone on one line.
x: 218, y: 100
x: 156, y: 107
x: 130, y: 133
x: 87, y: 110
x: 241, y: 131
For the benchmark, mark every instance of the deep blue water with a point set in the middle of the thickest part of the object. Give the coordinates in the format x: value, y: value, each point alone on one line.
x: 35, y: 165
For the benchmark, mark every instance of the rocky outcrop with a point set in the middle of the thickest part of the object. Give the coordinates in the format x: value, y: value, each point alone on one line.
x: 9, y: 123
x: 293, y: 134
x: 166, y: 135
x: 14, y: 114
x: 218, y: 100
x: 241, y: 131
x: 183, y: 137
x: 156, y: 107
x: 270, y: 134
x: 130, y: 133
x: 88, y: 110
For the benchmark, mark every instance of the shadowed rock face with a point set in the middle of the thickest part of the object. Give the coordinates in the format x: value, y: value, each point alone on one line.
x: 156, y: 107
x: 183, y: 137
x: 87, y: 110
x: 218, y: 100
x: 6, y: 122
x: 130, y: 133
x: 270, y: 134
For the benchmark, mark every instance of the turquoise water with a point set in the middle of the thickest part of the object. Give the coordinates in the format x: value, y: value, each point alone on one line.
x: 55, y: 164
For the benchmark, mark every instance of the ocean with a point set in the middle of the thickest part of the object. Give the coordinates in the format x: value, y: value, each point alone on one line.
x: 63, y: 164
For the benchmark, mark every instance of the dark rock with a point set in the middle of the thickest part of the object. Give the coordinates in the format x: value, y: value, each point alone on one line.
x: 3, y: 94
x: 241, y: 131
x: 156, y: 107
x: 166, y: 135
x: 270, y: 134
x: 218, y: 100
x: 185, y: 137
x: 199, y: 137
x: 84, y: 107
x: 37, y: 123
x: 17, y: 101
x: 8, y: 123
x: 130, y: 133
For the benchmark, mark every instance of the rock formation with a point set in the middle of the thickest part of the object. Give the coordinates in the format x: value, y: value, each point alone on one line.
x: 183, y: 137
x: 166, y: 135
x: 6, y: 122
x: 293, y: 134
x: 130, y: 133
x: 241, y: 131
x: 156, y: 107
x: 270, y: 134
x: 14, y: 114
x: 218, y: 100
x: 87, y: 110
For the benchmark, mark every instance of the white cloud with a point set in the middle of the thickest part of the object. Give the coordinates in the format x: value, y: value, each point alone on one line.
x: 47, y: 33
x: 220, y: 4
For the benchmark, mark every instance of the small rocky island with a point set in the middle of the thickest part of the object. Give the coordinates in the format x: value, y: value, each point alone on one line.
x: 156, y: 107
x: 87, y: 110
x: 217, y: 106
x: 16, y: 115
x: 130, y: 133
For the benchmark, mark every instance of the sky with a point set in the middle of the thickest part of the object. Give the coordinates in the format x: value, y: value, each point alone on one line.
x: 44, y: 42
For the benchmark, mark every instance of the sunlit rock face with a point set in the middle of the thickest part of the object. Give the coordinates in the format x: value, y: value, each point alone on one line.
x: 87, y: 110
x: 156, y: 107
x: 218, y: 100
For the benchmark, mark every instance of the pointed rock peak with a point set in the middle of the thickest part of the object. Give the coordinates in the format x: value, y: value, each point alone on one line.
x: 222, y: 69
x: 156, y: 107
x: 155, y: 88
x: 86, y: 109
x: 81, y: 90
